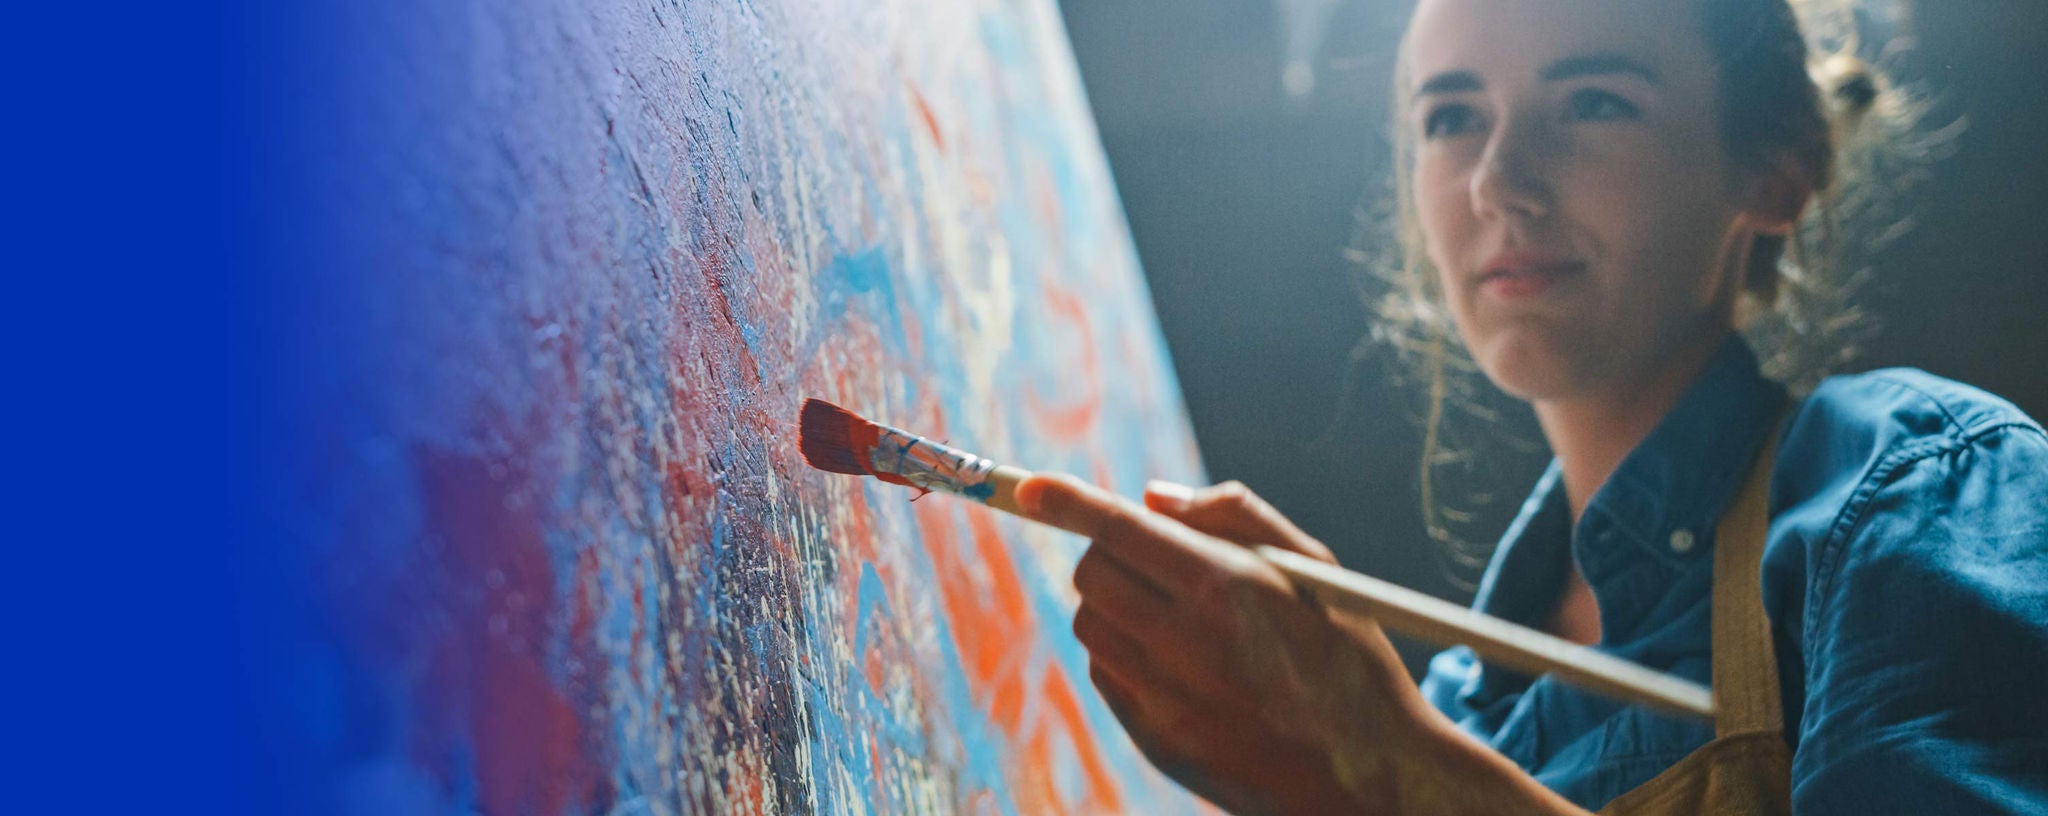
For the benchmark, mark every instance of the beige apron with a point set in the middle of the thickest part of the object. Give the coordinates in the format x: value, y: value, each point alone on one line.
x: 1747, y: 768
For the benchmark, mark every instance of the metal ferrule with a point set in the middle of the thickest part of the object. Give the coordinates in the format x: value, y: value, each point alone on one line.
x: 932, y: 466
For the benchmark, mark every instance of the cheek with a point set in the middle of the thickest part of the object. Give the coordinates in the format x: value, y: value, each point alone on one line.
x: 1617, y: 176
x: 1442, y: 209
x: 1621, y: 186
x: 1654, y: 214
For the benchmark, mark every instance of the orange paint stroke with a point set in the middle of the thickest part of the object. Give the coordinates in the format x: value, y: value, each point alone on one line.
x: 1102, y: 790
x: 985, y: 604
x: 1071, y: 421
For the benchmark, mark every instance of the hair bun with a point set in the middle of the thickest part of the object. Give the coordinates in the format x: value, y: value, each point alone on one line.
x: 1851, y: 84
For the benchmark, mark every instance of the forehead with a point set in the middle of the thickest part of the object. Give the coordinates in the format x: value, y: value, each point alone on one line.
x: 1512, y: 40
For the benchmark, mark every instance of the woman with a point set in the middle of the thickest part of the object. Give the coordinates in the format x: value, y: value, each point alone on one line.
x: 1600, y: 192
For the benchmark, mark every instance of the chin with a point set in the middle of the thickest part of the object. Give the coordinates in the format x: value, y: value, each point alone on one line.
x: 1531, y: 369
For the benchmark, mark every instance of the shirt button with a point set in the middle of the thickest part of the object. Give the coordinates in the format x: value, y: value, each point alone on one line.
x: 1681, y: 541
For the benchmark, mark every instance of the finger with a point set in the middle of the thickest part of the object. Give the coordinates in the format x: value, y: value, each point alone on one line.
x: 1127, y: 623
x: 1123, y: 702
x: 1179, y: 650
x: 1205, y: 748
x: 1108, y: 645
x: 1232, y: 512
x: 1148, y: 705
x: 1070, y: 504
x: 1113, y: 693
x: 1189, y: 636
x: 1118, y: 590
x: 1170, y: 555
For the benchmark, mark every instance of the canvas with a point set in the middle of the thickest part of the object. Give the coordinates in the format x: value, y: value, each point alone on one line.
x: 578, y: 266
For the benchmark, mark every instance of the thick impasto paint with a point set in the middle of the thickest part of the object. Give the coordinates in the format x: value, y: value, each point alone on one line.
x: 584, y: 262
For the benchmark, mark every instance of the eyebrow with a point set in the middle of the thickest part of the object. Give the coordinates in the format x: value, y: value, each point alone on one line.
x: 1569, y: 68
x: 1449, y: 82
x: 1595, y: 65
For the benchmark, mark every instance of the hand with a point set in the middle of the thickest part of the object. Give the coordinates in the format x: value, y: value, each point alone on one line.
x: 1242, y: 690
x: 1232, y: 512
x: 1227, y: 679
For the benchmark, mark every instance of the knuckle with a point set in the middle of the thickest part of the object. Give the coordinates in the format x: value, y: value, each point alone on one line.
x: 1239, y: 500
x: 1119, y: 528
x: 1230, y: 492
x: 1101, y: 638
x: 1217, y: 591
x: 1088, y: 570
x: 1087, y: 626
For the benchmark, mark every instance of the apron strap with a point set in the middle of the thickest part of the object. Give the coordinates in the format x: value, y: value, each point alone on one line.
x: 1745, y: 664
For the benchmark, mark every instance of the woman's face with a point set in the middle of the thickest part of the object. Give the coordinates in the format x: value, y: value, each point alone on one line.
x: 1573, y: 189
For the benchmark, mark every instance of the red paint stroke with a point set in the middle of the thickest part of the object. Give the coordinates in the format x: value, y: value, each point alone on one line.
x: 924, y: 112
x: 881, y: 800
x: 749, y: 799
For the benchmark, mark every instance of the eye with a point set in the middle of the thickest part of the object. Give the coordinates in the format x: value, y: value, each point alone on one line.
x: 1595, y: 105
x: 1449, y: 120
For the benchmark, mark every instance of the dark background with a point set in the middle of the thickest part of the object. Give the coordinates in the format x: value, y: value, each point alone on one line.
x: 1242, y: 200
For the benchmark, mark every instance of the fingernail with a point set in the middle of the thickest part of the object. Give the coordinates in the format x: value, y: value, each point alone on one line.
x: 1028, y: 496
x: 1170, y: 495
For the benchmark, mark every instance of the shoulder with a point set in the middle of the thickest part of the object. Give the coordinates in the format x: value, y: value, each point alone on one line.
x: 1896, y: 467
x: 1904, y: 483
x: 1858, y: 433
x: 1907, y: 576
x: 1896, y: 406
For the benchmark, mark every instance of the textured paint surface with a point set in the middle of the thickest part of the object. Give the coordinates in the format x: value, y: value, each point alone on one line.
x: 563, y: 554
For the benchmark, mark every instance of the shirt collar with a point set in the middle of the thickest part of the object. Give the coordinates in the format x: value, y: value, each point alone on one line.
x: 1652, y: 522
x: 1665, y: 497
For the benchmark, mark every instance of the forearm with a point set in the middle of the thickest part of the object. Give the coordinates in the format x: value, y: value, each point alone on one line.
x: 1484, y: 781
x: 1446, y: 772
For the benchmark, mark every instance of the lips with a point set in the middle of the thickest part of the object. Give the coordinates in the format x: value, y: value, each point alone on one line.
x: 1520, y: 274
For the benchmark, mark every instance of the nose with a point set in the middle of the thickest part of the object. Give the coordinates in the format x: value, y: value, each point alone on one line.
x: 1511, y: 179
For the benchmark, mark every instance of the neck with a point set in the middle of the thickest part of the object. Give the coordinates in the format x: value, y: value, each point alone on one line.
x: 1592, y: 433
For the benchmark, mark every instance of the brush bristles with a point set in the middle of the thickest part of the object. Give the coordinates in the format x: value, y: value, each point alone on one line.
x: 825, y: 436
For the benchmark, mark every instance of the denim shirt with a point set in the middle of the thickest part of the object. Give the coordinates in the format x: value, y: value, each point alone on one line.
x: 1905, y: 574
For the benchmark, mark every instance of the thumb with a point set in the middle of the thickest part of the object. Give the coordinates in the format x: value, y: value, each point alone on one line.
x: 1232, y: 512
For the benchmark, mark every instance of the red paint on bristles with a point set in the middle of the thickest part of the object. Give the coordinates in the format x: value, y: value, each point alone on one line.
x: 830, y: 438
x: 837, y: 440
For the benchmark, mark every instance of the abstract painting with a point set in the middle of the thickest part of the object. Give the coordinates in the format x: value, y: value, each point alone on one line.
x: 579, y: 264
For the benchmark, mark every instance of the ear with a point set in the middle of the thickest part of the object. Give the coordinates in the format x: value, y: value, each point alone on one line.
x: 1776, y: 197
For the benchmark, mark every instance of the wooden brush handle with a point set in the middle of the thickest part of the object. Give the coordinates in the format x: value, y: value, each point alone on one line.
x: 1496, y: 641
x: 1443, y: 623
x: 1004, y: 479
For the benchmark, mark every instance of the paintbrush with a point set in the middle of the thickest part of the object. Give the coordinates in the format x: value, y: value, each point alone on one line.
x: 1495, y: 640
x: 837, y: 440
